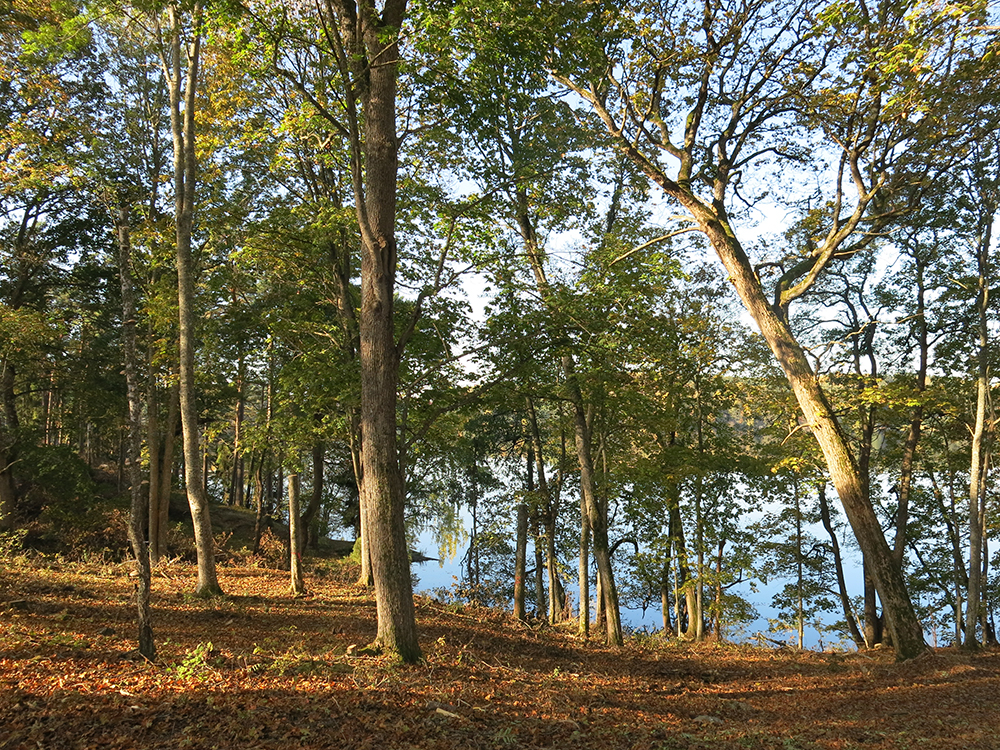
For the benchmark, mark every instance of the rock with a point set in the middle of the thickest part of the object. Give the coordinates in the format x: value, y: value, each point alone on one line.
x: 106, y: 631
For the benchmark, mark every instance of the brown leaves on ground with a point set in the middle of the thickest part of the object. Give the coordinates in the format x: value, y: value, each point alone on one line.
x: 261, y: 669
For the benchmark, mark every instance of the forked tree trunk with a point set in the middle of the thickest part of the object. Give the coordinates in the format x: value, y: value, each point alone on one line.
x: 166, y: 477
x: 907, y: 634
x: 977, y: 470
x: 711, y: 218
x: 182, y: 84
x: 369, y: 34
x: 596, y: 515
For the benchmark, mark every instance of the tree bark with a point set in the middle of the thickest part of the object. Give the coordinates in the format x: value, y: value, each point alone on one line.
x: 370, y: 66
x: 164, y: 477
x: 139, y: 508
x: 9, y: 425
x: 845, y: 599
x: 977, y: 470
x: 310, y: 537
x: 182, y: 85
x: 236, y: 495
x: 295, y: 536
x: 596, y: 515
x: 520, y: 561
x: 534, y: 525
x: 907, y: 634
x: 916, y: 421
x: 583, y: 576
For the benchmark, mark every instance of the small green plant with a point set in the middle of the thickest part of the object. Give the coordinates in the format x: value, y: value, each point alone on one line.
x: 195, y: 663
x: 12, y: 544
x: 505, y: 737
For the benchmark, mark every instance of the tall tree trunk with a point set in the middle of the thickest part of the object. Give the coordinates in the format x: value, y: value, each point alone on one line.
x: 596, y: 515
x: 534, y: 526
x: 263, y: 495
x: 182, y: 84
x: 365, y: 577
x: 547, y: 517
x: 310, y: 536
x: 520, y: 561
x: 296, y: 539
x: 907, y: 634
x: 153, y: 444
x: 9, y: 425
x: 370, y: 62
x: 977, y: 470
x: 675, y: 530
x: 800, y: 620
x: 665, y: 595
x: 236, y: 496
x: 916, y: 421
x: 139, y: 508
x: 583, y: 577
x: 166, y: 475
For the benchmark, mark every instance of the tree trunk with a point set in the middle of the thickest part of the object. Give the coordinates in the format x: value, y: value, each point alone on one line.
x: 371, y: 63
x: 261, y: 520
x: 236, y: 496
x: 665, y: 598
x: 845, y: 599
x: 520, y: 561
x: 907, y: 634
x: 311, y: 512
x: 711, y: 218
x: 182, y: 85
x: 295, y: 536
x: 916, y: 421
x: 800, y: 621
x: 678, y: 544
x: 583, y: 577
x: 8, y: 445
x: 547, y: 516
x: 534, y: 525
x: 166, y: 474
x: 596, y: 516
x: 153, y: 444
x: 139, y: 509
x: 977, y: 470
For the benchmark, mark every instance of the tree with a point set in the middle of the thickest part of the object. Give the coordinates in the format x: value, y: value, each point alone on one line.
x: 180, y: 58
x: 368, y: 57
x: 741, y: 77
x: 50, y: 88
x: 138, y: 513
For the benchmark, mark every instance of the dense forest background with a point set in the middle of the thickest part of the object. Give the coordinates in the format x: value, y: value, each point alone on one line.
x: 378, y: 268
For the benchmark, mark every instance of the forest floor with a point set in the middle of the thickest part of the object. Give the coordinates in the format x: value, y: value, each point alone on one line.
x: 258, y: 668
